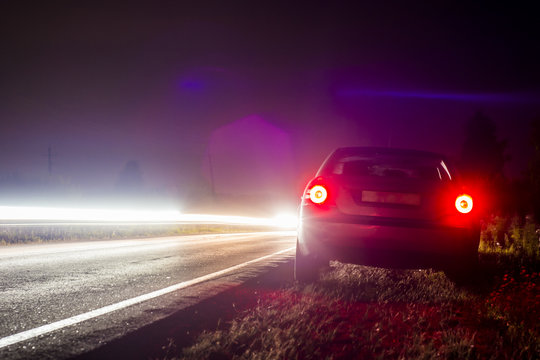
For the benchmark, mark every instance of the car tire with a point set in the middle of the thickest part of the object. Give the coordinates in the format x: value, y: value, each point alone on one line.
x: 464, y: 270
x: 307, y: 267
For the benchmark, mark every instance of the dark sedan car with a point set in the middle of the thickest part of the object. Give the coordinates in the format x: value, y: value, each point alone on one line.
x: 386, y: 207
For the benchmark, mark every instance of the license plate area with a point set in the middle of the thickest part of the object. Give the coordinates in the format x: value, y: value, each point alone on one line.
x: 391, y: 198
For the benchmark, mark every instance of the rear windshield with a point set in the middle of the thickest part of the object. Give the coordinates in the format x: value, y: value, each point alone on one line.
x: 392, y: 166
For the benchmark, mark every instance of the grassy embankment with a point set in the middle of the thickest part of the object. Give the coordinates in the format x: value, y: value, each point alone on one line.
x: 362, y: 312
x: 25, y: 234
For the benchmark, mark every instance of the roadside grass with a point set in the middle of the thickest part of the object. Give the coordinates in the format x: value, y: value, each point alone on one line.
x: 375, y: 313
x: 27, y: 234
x: 372, y: 313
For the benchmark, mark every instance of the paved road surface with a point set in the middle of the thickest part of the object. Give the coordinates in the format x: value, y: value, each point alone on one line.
x: 58, y: 300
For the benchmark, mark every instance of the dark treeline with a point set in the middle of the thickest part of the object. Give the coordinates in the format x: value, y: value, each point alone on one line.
x: 482, y: 159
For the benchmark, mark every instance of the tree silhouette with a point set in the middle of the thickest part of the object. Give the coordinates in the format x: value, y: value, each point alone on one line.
x: 534, y: 168
x: 482, y: 155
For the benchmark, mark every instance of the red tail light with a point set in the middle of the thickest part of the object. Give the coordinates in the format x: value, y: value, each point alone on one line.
x: 464, y: 203
x: 317, y: 194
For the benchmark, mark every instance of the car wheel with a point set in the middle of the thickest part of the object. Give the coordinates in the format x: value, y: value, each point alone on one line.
x: 306, y: 267
x: 464, y: 270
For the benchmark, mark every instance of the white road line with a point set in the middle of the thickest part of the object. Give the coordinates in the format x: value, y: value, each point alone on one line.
x: 32, y: 333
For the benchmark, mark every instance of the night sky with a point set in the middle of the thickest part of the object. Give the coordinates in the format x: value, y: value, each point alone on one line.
x: 261, y: 92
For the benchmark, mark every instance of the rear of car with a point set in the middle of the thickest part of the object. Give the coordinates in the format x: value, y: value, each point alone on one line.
x: 385, y: 207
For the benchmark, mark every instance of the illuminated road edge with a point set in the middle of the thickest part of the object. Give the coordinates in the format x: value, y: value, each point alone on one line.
x: 32, y: 333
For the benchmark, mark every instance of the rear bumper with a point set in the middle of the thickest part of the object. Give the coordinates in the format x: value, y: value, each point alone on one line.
x: 386, y: 243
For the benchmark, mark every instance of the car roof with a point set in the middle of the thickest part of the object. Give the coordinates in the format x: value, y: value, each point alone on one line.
x: 374, y: 151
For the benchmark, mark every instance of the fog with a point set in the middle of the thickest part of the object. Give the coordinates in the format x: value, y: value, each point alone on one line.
x: 187, y: 106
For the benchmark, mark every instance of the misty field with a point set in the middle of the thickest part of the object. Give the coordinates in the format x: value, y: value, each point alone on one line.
x: 372, y: 313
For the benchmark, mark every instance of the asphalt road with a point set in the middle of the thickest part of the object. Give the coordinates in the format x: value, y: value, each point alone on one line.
x: 60, y: 300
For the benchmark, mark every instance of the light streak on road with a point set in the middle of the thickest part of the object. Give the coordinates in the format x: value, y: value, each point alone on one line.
x: 28, y: 213
x: 109, y: 216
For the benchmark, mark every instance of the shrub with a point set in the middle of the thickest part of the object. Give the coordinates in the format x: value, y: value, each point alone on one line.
x: 515, y: 237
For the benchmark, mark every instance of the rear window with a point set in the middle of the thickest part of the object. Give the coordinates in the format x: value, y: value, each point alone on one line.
x: 392, y: 166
